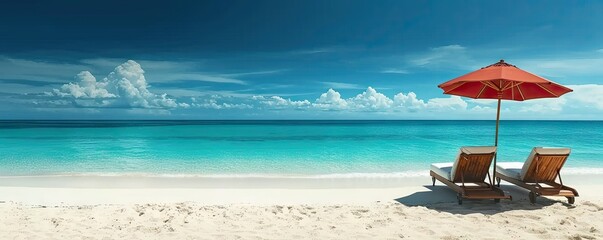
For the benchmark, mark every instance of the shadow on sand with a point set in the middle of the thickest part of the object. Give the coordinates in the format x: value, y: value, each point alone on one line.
x: 442, y: 198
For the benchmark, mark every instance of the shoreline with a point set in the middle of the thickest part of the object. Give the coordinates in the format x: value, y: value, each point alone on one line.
x: 413, y: 173
x: 119, y: 190
x: 209, y: 182
x: 352, y: 180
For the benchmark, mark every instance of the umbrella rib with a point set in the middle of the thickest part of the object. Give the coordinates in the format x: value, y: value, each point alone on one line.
x: 512, y: 92
x: 490, y: 84
x: 481, y: 91
x: 511, y: 85
x: 462, y: 83
x: 507, y: 86
x: 520, y: 92
x: 549, y: 91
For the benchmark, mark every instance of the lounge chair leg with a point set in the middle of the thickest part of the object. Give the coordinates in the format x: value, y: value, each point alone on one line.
x: 432, y: 181
x: 571, y: 200
x: 498, y: 182
x: 459, y: 197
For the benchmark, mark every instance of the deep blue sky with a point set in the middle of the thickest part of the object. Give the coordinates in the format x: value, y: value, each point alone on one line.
x: 274, y: 59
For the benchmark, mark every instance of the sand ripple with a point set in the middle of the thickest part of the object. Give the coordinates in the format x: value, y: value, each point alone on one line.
x: 379, y: 220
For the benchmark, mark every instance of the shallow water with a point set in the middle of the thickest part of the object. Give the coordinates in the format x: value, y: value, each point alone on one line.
x: 277, y: 148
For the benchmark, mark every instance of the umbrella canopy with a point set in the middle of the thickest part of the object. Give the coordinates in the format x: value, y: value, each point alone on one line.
x: 502, y: 81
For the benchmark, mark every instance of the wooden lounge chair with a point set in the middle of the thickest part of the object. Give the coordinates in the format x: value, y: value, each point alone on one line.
x: 470, y: 169
x: 538, y: 173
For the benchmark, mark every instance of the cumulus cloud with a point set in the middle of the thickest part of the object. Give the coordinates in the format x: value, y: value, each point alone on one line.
x: 125, y: 86
x: 216, y: 102
x: 129, y: 82
x: 585, y: 98
x: 331, y: 100
x: 408, y: 101
x: 449, y: 103
x: 370, y: 100
x: 85, y: 86
x: 482, y: 109
x: 279, y: 102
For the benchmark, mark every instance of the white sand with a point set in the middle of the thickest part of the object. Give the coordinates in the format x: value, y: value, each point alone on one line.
x: 175, y: 208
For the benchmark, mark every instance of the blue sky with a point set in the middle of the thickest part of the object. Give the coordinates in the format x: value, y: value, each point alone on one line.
x: 290, y: 59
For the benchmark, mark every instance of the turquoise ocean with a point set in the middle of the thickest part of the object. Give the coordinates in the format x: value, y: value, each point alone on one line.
x: 278, y: 148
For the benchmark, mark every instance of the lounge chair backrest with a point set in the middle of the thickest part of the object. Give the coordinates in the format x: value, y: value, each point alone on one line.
x: 550, y: 161
x: 472, y: 164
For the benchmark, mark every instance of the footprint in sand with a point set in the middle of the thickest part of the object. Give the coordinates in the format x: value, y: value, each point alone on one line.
x: 597, y: 207
x: 581, y: 236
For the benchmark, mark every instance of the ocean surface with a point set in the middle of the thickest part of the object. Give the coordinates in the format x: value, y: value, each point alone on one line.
x: 278, y: 148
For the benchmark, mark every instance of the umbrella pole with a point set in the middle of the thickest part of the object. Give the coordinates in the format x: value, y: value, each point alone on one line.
x: 496, y: 139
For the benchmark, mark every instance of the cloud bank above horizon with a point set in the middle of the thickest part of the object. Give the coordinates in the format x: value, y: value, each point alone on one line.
x: 126, y: 87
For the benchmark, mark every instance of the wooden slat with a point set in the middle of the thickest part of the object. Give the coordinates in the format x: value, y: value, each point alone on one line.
x: 473, y: 167
x: 548, y: 168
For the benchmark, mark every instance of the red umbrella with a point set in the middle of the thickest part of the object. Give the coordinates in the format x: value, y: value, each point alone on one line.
x: 502, y: 81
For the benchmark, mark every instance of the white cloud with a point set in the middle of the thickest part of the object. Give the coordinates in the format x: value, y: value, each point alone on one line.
x: 331, y: 100
x: 449, y: 103
x: 126, y: 85
x: 279, y: 102
x: 585, y: 99
x: 213, y: 103
x: 85, y: 86
x: 586, y: 95
x: 371, y: 100
x: 408, y: 101
x: 545, y: 105
x: 482, y: 109
x: 482, y: 101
